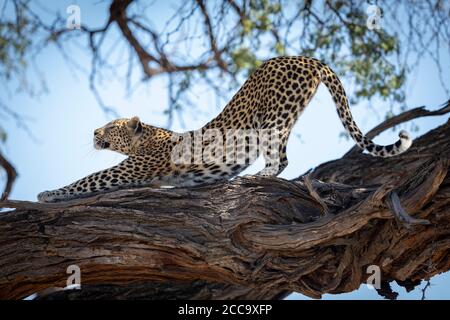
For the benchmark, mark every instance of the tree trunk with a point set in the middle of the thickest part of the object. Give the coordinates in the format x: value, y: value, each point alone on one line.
x: 253, y: 237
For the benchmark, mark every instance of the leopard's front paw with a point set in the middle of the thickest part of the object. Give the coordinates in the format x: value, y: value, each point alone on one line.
x: 47, y: 196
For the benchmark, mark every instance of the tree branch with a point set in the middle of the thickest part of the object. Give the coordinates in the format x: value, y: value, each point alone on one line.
x: 254, y: 237
x: 11, y: 175
x: 415, y: 113
x: 118, y: 14
x: 194, y: 290
x: 394, y: 204
x: 212, y: 39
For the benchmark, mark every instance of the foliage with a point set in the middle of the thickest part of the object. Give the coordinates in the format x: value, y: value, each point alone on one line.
x: 215, y: 42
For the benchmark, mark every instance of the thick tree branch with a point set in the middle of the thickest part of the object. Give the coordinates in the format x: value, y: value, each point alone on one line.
x: 158, y: 290
x: 253, y: 237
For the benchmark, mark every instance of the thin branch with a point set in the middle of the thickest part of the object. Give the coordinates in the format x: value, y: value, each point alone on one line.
x: 393, y: 202
x: 212, y: 39
x: 313, y: 193
x: 424, y: 289
x: 419, y: 112
x: 11, y: 176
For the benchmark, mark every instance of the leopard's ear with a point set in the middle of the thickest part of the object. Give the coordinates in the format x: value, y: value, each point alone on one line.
x: 135, y: 125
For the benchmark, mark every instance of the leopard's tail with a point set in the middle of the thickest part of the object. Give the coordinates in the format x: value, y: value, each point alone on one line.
x: 334, y: 85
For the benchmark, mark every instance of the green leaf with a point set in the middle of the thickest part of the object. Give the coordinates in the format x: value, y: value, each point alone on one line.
x: 3, y: 135
x: 247, y: 26
x: 279, y: 48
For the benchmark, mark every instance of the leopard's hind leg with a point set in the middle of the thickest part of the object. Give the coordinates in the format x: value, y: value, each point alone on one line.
x: 274, y: 154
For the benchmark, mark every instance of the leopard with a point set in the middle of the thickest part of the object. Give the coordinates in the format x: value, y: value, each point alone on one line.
x: 272, y: 98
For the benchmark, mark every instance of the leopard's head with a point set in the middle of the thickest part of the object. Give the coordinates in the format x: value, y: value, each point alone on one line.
x: 121, y: 135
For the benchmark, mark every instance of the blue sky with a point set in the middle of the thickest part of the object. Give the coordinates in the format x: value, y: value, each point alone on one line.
x: 63, y: 122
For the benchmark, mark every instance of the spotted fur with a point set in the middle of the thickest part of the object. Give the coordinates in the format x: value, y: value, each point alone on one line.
x: 272, y: 98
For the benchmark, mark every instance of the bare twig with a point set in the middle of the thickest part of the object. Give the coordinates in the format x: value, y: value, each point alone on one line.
x: 424, y: 289
x: 393, y: 202
x: 11, y: 176
x: 308, y: 183
x: 212, y: 39
x: 401, y: 118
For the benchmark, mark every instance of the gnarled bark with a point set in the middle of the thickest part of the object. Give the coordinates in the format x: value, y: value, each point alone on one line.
x: 252, y: 237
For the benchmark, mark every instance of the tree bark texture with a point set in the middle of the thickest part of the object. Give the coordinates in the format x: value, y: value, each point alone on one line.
x: 253, y: 237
